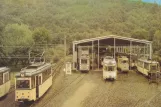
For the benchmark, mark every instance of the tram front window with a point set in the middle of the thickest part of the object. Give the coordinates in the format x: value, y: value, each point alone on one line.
x: 110, y: 68
x: 84, y: 61
x: 154, y: 67
x: 124, y: 61
x: 22, y: 84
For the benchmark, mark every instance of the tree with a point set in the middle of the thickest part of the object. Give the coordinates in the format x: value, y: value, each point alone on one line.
x: 15, y: 36
x: 140, y: 34
x: 41, y: 36
x: 157, y: 40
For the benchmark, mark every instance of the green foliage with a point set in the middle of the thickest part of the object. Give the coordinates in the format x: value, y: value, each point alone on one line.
x: 157, y: 41
x: 16, y: 35
x: 77, y: 19
x: 41, y: 36
x: 140, y: 34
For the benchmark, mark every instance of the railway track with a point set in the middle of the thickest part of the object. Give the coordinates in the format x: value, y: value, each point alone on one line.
x: 78, y: 79
x: 54, y: 94
x: 56, y: 71
x: 9, y: 99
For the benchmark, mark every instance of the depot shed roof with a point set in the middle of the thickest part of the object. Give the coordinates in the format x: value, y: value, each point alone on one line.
x: 119, y: 40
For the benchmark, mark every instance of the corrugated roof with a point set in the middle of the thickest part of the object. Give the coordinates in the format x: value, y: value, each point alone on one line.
x: 112, y: 36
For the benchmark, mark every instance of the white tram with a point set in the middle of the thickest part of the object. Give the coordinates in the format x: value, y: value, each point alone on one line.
x: 4, y: 81
x: 123, y: 63
x: 84, y: 63
x: 147, y: 66
x: 109, y: 68
x: 33, y: 81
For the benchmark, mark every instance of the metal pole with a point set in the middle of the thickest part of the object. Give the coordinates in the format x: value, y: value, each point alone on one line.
x: 114, y: 47
x: 150, y: 51
x: 65, y: 48
x: 98, y: 54
x: 92, y: 56
x: 144, y: 51
x: 147, y: 50
x: 130, y: 54
x: 74, y: 56
x: 29, y: 57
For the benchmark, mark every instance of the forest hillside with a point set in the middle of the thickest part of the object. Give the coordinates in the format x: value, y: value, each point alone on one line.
x: 29, y: 22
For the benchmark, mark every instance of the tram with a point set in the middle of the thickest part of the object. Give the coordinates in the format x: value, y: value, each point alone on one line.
x: 123, y: 63
x: 109, y: 68
x: 147, y: 67
x: 4, y: 81
x: 84, y: 63
x: 33, y: 81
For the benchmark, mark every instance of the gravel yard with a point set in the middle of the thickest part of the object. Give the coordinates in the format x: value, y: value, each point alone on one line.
x: 90, y: 90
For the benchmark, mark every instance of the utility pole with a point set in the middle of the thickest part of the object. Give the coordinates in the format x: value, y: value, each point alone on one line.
x: 65, y: 47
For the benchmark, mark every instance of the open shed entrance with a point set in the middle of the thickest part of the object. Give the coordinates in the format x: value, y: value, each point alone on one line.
x: 97, y: 48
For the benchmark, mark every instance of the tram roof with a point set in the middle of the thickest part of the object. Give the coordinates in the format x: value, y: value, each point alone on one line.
x: 109, y: 40
x: 34, y: 69
x: 4, y: 69
x: 147, y: 61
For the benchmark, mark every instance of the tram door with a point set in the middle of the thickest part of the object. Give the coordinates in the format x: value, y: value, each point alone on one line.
x: 5, y: 79
x: 38, y: 82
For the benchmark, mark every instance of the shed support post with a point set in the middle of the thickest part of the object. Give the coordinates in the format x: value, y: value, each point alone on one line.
x: 130, y: 53
x: 122, y: 49
x: 73, y: 56
x: 144, y: 52
x: 147, y: 50
x: 150, y: 56
x: 114, y: 47
x: 98, y: 54
x: 92, y: 56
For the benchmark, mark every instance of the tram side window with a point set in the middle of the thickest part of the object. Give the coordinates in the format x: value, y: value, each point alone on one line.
x: 1, y: 78
x: 146, y: 66
x: 46, y: 74
x: 140, y: 63
x: 40, y: 80
x: 6, y: 77
x: 23, y: 84
x: 33, y: 82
